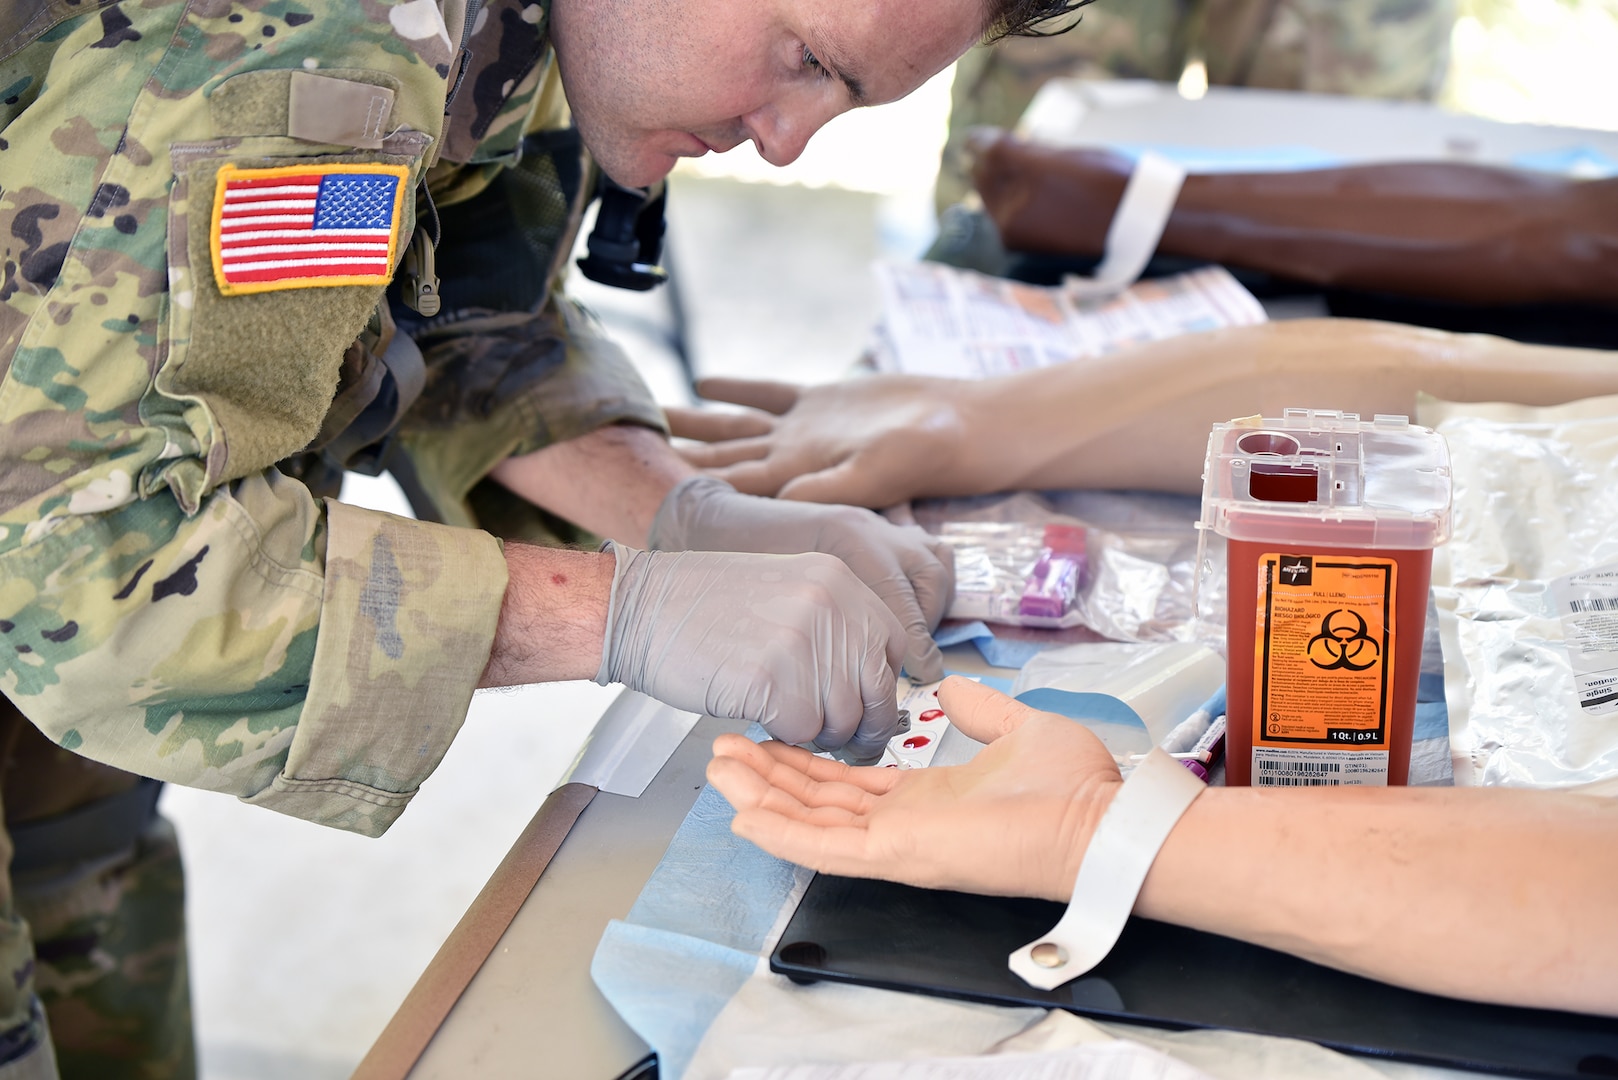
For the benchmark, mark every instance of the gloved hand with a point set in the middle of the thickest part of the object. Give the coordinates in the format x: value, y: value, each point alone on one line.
x: 795, y: 642
x: 913, y: 572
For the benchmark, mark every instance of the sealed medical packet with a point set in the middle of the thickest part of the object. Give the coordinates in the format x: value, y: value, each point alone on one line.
x: 1017, y: 573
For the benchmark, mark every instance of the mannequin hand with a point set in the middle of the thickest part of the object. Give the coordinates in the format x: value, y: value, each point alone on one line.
x: 1014, y: 821
x: 795, y: 642
x: 872, y: 441
x: 912, y: 572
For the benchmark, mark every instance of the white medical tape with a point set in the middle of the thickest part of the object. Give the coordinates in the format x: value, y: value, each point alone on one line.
x: 1141, y: 816
x: 1137, y: 225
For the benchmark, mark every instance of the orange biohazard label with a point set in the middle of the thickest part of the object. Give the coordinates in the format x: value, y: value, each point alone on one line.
x: 1323, y: 664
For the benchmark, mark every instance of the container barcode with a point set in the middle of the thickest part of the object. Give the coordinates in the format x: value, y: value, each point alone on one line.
x: 1296, y: 781
x: 1594, y: 603
x: 1299, y: 766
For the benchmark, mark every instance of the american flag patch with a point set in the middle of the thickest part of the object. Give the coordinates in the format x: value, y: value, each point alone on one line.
x: 299, y: 227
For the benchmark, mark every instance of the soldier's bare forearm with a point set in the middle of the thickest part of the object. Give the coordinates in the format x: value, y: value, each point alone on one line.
x: 610, y: 481
x: 553, y: 618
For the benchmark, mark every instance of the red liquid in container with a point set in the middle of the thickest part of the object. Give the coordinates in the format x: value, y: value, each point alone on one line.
x: 1329, y: 526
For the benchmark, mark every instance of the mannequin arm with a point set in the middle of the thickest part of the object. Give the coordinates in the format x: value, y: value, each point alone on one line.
x: 1138, y: 418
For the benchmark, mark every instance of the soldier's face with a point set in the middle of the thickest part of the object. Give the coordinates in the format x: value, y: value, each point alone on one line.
x: 651, y: 81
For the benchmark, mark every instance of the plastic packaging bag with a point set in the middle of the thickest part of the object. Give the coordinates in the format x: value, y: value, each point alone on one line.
x: 1163, y: 682
x: 1140, y: 554
x: 1017, y: 573
x: 1524, y: 595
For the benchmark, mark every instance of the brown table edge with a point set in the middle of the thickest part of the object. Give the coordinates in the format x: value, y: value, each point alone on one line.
x: 440, y: 986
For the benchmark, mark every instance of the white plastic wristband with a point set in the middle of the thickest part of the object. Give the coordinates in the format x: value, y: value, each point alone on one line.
x: 1137, y: 225
x: 1141, y: 816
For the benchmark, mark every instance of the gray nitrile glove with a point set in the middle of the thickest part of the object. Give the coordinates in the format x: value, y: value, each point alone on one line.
x: 912, y: 571
x: 795, y: 642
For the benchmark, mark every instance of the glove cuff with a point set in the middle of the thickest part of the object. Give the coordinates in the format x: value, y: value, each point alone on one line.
x: 623, y: 556
x: 677, y: 525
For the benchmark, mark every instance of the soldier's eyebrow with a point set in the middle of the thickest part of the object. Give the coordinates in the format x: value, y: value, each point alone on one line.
x: 835, y: 60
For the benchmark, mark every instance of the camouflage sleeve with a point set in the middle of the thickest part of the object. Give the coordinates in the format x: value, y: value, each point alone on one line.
x: 169, y: 602
x: 595, y: 385
x: 513, y: 364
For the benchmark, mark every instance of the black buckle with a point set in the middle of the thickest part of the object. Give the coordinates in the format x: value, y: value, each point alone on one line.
x: 626, y: 245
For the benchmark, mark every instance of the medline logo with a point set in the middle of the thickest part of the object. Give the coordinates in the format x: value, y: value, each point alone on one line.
x: 1296, y: 570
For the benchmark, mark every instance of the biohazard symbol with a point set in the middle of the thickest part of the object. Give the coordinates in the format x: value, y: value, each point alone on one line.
x: 1342, y: 643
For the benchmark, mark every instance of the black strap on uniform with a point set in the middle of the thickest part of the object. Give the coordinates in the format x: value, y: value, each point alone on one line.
x: 463, y: 60
x: 362, y: 445
x: 97, y: 830
x: 626, y: 246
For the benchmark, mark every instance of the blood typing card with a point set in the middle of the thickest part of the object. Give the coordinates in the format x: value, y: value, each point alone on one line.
x: 922, y: 724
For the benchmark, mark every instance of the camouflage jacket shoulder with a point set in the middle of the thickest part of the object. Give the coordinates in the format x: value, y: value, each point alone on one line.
x: 201, y: 204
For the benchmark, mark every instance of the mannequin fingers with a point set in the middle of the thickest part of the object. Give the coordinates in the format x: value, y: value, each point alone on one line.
x: 717, y: 455
x: 828, y: 849
x: 772, y: 397
x: 779, y: 801
x: 849, y: 482
x: 821, y: 770
x: 983, y: 713
x: 751, y: 477
x: 811, y: 794
x: 712, y: 425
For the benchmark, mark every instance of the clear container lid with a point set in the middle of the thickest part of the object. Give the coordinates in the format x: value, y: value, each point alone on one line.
x: 1327, y: 478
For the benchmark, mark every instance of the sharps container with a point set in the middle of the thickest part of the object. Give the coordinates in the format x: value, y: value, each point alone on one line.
x: 1329, y: 525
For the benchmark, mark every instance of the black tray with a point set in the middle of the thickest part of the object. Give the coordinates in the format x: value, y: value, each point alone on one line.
x: 955, y: 945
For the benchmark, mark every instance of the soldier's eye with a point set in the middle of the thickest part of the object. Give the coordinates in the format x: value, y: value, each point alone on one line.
x: 815, y: 65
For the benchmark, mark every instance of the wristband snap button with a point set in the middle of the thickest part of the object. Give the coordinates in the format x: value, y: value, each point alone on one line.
x: 1048, y: 954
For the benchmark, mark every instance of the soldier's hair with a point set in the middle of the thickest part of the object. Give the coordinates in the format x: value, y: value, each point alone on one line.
x: 1031, y: 18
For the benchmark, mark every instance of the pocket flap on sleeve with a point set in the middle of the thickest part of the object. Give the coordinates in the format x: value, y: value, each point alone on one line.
x: 341, y: 107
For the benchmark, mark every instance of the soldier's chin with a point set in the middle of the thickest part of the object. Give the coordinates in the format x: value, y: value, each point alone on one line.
x: 636, y: 168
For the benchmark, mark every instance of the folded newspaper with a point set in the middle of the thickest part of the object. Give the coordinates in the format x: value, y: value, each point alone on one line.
x: 938, y: 320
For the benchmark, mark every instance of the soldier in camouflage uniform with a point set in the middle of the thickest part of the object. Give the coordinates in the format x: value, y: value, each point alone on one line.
x: 182, y: 382
x: 1369, y: 48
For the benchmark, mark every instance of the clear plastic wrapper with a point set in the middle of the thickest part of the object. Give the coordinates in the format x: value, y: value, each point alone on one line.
x: 1527, y: 593
x: 1139, y: 565
x: 1017, y: 573
x: 1163, y: 682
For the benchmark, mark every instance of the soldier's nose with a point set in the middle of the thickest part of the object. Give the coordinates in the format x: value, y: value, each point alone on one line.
x: 781, y: 136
